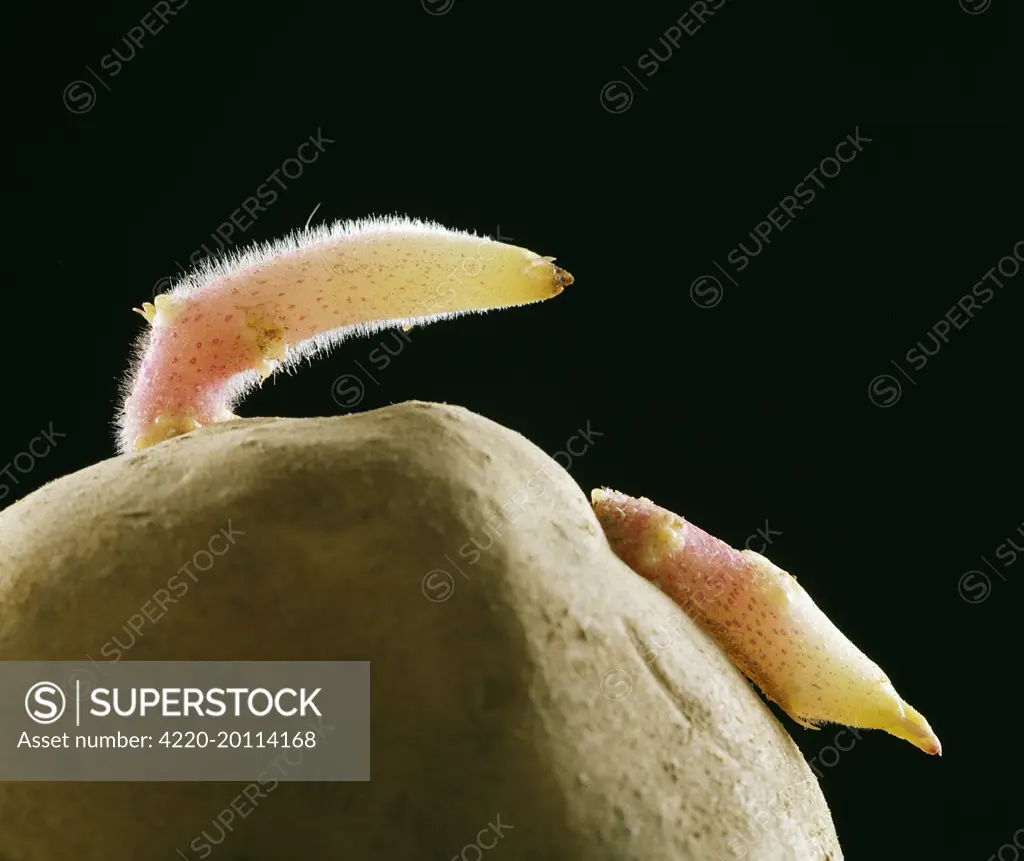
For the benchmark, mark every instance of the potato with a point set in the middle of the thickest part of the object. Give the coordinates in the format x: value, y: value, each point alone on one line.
x: 531, y: 693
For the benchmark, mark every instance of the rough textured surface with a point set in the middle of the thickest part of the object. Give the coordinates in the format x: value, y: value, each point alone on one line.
x: 532, y: 691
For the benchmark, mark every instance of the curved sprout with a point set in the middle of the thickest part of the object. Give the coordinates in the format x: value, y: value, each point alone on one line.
x: 231, y: 324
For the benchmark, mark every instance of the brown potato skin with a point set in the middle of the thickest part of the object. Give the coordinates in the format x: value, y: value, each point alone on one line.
x: 496, y: 701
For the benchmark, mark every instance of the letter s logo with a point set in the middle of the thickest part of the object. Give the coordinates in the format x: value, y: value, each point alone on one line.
x: 45, y: 703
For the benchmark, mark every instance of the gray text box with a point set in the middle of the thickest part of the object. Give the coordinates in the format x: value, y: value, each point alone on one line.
x: 184, y: 720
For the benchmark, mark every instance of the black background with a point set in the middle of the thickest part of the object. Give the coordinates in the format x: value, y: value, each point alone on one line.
x: 494, y: 116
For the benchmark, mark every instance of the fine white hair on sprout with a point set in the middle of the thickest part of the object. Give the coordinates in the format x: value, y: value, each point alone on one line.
x: 231, y: 323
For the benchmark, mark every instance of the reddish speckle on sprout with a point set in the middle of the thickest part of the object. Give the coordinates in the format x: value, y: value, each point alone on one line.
x: 268, y: 307
x: 762, y: 618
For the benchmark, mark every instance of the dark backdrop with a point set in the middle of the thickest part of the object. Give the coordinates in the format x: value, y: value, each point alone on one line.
x: 789, y: 394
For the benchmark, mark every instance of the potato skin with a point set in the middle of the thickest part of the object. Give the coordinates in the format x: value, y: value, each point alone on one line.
x: 530, y: 692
